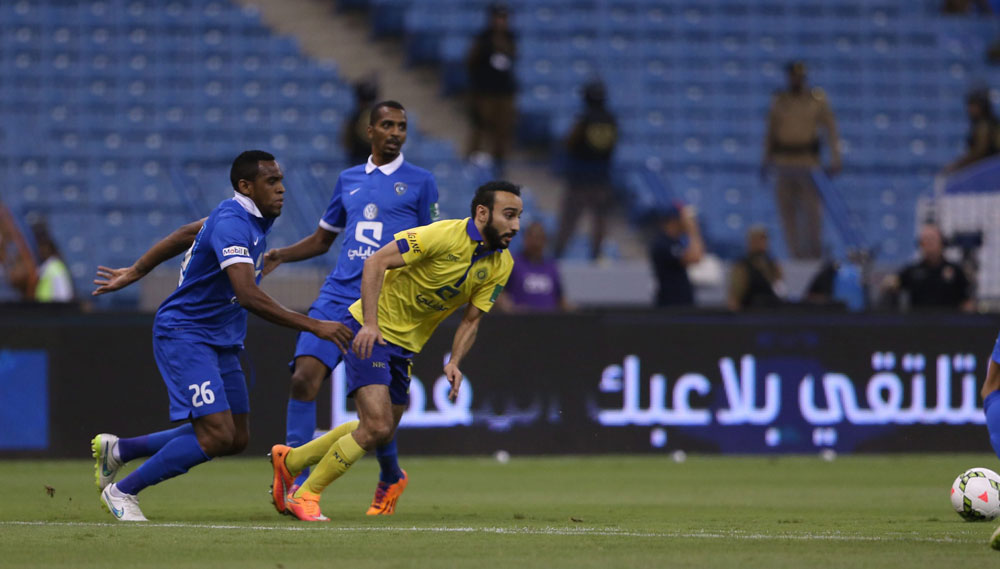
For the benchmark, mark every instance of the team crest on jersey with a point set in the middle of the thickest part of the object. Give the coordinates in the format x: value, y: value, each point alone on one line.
x: 400, y: 188
x: 481, y: 274
x: 371, y: 211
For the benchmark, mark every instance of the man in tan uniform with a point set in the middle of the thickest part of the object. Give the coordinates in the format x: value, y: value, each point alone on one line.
x: 792, y: 147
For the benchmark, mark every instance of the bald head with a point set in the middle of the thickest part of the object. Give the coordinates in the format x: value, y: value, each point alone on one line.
x: 931, y: 243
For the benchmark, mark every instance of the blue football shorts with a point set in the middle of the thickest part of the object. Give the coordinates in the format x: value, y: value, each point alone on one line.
x: 309, y: 344
x: 201, y: 379
x: 388, y: 365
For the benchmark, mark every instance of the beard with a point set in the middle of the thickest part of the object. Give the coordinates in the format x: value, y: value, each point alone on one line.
x: 493, y: 238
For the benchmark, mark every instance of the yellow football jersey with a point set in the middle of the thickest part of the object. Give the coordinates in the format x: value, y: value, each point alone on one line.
x: 447, y: 265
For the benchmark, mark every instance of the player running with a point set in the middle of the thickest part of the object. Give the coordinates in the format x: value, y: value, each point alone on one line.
x: 198, y: 332
x: 370, y: 203
x: 428, y: 273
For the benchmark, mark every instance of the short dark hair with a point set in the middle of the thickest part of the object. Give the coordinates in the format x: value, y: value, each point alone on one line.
x: 245, y: 166
x: 383, y: 105
x: 486, y: 194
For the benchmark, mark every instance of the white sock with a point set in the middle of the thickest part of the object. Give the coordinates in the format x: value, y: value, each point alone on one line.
x: 114, y: 452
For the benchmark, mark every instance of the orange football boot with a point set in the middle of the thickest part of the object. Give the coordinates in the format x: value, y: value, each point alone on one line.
x: 283, y: 479
x: 305, y: 507
x: 386, y: 495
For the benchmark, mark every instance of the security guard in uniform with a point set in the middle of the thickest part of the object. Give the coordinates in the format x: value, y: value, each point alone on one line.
x: 590, y: 146
x: 792, y: 148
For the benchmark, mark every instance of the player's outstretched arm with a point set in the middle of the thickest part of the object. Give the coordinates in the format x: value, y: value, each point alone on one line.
x: 387, y: 257
x: 465, y: 336
x: 110, y: 280
x: 316, y: 244
x: 251, y: 297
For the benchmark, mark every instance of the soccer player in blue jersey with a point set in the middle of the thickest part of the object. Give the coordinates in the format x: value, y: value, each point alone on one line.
x: 991, y: 398
x: 408, y: 288
x: 370, y: 203
x: 197, y: 334
x: 991, y: 408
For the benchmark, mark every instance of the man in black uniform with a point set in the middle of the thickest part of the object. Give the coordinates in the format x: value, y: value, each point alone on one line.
x: 933, y: 281
x: 755, y: 281
x: 492, y: 87
x: 590, y: 145
x: 355, y: 133
x: 676, y: 245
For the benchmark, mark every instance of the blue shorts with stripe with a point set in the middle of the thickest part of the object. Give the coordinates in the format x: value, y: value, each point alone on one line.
x: 201, y: 379
x: 308, y: 344
x: 388, y: 365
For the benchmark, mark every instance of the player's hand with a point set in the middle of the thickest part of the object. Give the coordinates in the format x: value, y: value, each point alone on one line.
x: 335, y: 332
x: 365, y: 340
x: 454, y: 376
x: 110, y: 280
x: 271, y: 261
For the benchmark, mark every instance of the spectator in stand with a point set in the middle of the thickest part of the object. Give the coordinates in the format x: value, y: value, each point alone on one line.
x: 535, y: 284
x: 755, y: 280
x: 676, y: 245
x: 792, y: 147
x: 933, y: 281
x: 493, y: 86
x: 54, y: 281
x: 590, y: 146
x: 984, y: 130
x: 355, y: 132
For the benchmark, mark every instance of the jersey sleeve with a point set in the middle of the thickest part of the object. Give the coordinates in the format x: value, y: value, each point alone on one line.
x: 231, y: 241
x: 420, y: 243
x: 335, y: 217
x: 428, y: 207
x: 486, y: 294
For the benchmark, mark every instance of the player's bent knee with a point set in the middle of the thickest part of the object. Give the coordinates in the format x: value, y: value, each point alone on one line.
x: 305, y: 385
x: 382, y: 433
x: 239, y: 445
x: 217, y: 443
x: 371, y: 434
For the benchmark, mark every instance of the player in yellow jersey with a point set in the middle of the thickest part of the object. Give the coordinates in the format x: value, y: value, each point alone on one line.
x: 407, y: 288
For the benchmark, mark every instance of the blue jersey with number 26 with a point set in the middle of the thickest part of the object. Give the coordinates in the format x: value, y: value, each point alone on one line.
x: 204, y: 308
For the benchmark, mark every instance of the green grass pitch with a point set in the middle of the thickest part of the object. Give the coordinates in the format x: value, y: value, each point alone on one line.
x: 601, y: 512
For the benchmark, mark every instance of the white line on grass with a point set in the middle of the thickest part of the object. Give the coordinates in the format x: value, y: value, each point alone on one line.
x: 557, y: 531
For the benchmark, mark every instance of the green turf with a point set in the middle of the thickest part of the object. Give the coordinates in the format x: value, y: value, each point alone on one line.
x: 613, y: 511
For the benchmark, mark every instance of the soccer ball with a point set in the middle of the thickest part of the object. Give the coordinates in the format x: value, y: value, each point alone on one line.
x: 975, y: 494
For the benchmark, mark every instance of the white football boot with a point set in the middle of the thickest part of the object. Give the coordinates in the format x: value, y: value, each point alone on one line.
x: 124, y: 507
x: 106, y: 466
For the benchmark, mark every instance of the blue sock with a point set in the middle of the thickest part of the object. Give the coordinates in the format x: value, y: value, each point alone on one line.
x: 148, y: 445
x: 388, y: 460
x: 176, y: 457
x: 991, y: 408
x: 300, y: 425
